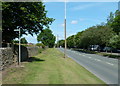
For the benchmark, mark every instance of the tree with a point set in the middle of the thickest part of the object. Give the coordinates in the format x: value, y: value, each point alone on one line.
x: 61, y: 43
x: 71, y: 41
x: 15, y: 41
x: 110, y: 19
x: 116, y: 23
x: 96, y: 35
x: 47, y: 38
x: 115, y: 41
x: 78, y: 39
x: 23, y: 41
x: 40, y: 45
x: 30, y: 17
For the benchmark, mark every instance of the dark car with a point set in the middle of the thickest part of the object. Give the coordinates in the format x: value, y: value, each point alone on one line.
x: 94, y: 47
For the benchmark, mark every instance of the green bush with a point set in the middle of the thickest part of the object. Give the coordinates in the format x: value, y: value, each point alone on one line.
x: 40, y: 45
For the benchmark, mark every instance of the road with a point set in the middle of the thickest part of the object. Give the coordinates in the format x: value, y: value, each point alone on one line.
x: 104, y: 68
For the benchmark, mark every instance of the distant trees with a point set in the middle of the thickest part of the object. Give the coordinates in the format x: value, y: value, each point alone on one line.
x: 104, y: 35
x: 116, y: 23
x: 71, y: 41
x: 30, y: 17
x: 115, y: 41
x: 77, y: 40
x: 23, y: 41
x: 47, y: 38
x: 60, y: 43
x: 40, y: 45
x: 96, y: 35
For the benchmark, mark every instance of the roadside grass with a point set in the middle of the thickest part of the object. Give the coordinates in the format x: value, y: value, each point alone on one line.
x: 49, y: 67
x: 110, y: 55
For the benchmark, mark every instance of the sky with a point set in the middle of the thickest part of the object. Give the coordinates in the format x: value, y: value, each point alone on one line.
x: 80, y: 16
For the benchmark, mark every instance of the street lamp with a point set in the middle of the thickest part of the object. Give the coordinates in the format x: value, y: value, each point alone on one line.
x: 65, y: 32
x: 19, y: 60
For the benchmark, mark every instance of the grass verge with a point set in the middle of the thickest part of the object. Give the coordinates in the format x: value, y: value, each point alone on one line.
x: 50, y: 67
x: 109, y: 55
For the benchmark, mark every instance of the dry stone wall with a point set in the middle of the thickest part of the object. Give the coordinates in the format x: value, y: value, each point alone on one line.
x: 9, y: 56
x: 6, y: 57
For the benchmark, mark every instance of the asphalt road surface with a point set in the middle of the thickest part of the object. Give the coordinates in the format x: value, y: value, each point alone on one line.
x: 104, y: 68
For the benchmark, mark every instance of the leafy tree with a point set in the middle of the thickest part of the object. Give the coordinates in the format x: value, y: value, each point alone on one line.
x: 47, y: 38
x: 30, y: 17
x: 71, y: 41
x: 15, y: 41
x: 78, y: 39
x: 96, y: 35
x: 116, y: 23
x: 115, y: 41
x: 23, y: 41
x: 61, y: 43
x: 110, y: 19
x: 40, y: 45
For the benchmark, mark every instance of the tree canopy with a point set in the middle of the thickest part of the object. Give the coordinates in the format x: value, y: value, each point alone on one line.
x: 30, y: 17
x: 71, y: 41
x: 105, y: 34
x: 23, y: 41
x: 47, y: 38
x: 116, y: 23
x: 61, y: 43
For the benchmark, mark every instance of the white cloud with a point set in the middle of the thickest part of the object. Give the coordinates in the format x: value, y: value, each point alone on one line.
x: 62, y: 25
x: 74, y: 22
x: 82, y: 7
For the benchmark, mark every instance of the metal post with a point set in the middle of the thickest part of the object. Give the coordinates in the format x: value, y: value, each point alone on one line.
x: 65, y: 32
x: 57, y: 41
x: 19, y: 48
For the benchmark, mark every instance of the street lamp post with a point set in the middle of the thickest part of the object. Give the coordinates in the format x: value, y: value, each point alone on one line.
x: 65, y: 32
x: 19, y: 48
x: 19, y: 60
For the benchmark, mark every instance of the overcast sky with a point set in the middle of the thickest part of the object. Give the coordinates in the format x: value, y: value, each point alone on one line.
x: 80, y: 16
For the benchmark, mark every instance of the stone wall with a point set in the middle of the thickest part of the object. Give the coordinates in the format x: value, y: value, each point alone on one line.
x: 9, y: 56
x: 32, y: 51
x: 6, y: 57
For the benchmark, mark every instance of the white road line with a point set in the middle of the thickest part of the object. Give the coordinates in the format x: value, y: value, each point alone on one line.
x: 97, y: 60
x: 89, y: 57
x: 109, y: 63
x: 83, y: 55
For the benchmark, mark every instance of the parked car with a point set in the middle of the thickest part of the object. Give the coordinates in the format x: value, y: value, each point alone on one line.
x: 107, y: 49
x: 94, y: 48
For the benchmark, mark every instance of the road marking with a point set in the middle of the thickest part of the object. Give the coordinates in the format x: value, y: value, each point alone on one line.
x: 89, y: 57
x: 109, y: 63
x: 83, y: 55
x: 98, y: 60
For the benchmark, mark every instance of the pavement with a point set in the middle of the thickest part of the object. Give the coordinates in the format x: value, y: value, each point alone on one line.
x: 104, y: 68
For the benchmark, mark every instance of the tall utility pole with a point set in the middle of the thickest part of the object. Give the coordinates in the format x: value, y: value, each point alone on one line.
x: 57, y: 41
x: 65, y: 32
x: 19, y: 47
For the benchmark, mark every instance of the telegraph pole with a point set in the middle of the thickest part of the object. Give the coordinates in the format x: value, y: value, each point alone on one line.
x: 65, y: 32
x: 19, y: 47
x: 57, y: 41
